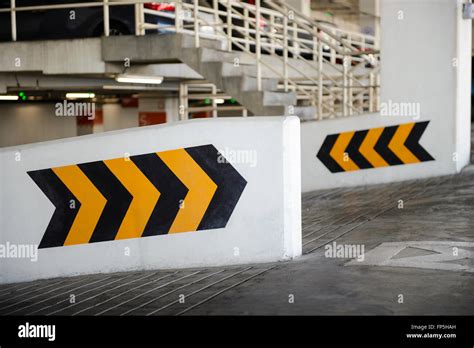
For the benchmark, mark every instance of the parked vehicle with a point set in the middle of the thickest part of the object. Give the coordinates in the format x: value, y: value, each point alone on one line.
x: 64, y: 23
x: 47, y: 24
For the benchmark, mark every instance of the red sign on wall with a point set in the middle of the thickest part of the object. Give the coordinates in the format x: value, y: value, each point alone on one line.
x: 147, y: 118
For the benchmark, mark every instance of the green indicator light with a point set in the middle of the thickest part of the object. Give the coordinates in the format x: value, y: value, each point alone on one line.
x: 207, y: 101
x: 233, y: 101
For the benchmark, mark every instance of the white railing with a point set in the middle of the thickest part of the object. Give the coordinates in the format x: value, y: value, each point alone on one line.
x: 337, y: 70
x: 192, y: 93
x: 334, y: 70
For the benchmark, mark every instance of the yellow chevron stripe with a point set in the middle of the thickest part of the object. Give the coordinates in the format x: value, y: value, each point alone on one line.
x: 92, y: 203
x: 337, y: 151
x: 145, y: 196
x: 367, y: 148
x: 201, y: 189
x: 397, y: 144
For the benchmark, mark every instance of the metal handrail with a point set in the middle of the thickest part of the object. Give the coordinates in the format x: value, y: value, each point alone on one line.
x: 300, y: 36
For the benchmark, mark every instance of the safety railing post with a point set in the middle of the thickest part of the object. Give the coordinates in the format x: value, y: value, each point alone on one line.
x: 344, y: 85
x: 142, y: 18
x: 13, y: 19
x: 258, y: 50
x: 320, y: 80
x: 371, y: 92
x: 214, y: 101
x: 295, y: 40
x: 196, y: 22
x: 178, y: 16
x: 106, y: 18
x: 285, y: 51
x: 272, y: 33
x: 215, y: 9
x: 229, y: 26
x: 181, y: 102
x: 377, y: 92
x: 183, y: 110
x: 139, y: 19
x: 247, y: 28
x: 350, y: 93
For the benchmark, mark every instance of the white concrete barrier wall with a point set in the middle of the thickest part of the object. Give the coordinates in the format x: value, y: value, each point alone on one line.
x: 425, y: 77
x: 264, y: 225
x: 317, y: 176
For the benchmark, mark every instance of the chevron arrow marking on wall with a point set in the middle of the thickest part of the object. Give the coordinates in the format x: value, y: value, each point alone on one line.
x: 174, y: 191
x: 374, y: 148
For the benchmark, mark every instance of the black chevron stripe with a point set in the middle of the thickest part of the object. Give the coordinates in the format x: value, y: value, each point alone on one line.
x: 117, y: 196
x: 382, y: 146
x: 325, y: 158
x: 412, y: 142
x: 63, y: 216
x: 230, y: 185
x: 353, y: 150
x: 171, y: 189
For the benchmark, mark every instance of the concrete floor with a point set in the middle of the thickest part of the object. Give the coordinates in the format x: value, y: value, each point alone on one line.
x: 438, y: 209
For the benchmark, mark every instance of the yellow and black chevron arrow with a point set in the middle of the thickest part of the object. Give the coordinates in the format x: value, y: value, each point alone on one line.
x: 374, y: 148
x: 173, y: 191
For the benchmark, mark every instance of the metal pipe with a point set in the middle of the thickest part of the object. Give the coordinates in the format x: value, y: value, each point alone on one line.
x: 320, y: 80
x: 137, y: 20
x: 196, y: 22
x: 13, y: 19
x: 178, y: 16
x: 106, y: 18
x: 214, y: 101
x: 285, y: 51
x: 258, y: 49
x: 229, y: 26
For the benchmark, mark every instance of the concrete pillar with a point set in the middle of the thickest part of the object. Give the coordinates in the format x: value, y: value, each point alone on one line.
x: 156, y: 109
x: 116, y: 116
x: 426, y: 60
x: 369, y: 18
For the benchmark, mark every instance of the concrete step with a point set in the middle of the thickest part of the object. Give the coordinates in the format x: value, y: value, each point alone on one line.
x: 247, y: 83
x: 305, y: 112
x: 187, y: 41
x: 270, y: 98
x: 215, y: 55
x: 226, y: 69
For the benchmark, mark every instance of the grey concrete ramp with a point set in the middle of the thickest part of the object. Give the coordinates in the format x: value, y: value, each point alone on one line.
x: 429, y: 221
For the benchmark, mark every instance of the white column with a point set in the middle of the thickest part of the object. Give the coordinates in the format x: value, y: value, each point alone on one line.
x: 426, y: 59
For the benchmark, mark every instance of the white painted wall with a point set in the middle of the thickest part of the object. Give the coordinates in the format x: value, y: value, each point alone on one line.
x: 32, y: 122
x: 265, y: 224
x: 167, y: 103
x: 117, y: 117
x: 417, y: 54
x: 419, y: 41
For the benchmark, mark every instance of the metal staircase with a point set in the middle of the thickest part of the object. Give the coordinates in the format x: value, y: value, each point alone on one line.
x: 268, y: 57
x: 274, y: 60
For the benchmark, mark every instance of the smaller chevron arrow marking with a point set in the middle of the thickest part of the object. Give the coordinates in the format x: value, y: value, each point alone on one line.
x: 175, y: 191
x: 374, y: 148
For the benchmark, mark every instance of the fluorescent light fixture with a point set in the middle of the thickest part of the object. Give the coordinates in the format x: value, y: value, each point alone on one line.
x: 154, y: 80
x: 220, y: 101
x: 8, y: 97
x: 132, y: 87
x: 80, y: 95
